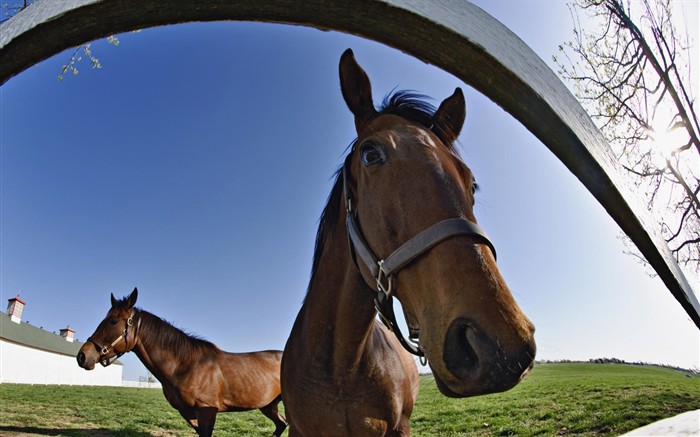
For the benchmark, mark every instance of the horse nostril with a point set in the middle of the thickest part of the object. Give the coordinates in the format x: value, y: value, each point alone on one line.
x: 81, y: 358
x: 460, y: 357
x: 471, y: 355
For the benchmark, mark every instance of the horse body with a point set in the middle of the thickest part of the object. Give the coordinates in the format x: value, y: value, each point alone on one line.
x: 402, y: 189
x: 210, y: 378
x: 199, y: 379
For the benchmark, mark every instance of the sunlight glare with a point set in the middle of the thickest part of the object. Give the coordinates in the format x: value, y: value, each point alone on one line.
x: 665, y: 138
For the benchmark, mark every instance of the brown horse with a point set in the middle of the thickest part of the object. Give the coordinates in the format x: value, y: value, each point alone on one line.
x: 399, y: 222
x: 199, y: 379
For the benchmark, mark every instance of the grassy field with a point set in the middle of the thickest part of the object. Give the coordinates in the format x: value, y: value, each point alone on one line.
x: 556, y: 399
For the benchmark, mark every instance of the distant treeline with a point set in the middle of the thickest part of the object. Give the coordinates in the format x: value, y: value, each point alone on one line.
x: 619, y: 361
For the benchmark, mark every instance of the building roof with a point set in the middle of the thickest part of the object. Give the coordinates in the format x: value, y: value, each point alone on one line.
x: 17, y: 299
x: 37, y: 338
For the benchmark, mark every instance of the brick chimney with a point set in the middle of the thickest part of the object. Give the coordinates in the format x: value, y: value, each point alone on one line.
x: 15, y: 306
x: 68, y: 334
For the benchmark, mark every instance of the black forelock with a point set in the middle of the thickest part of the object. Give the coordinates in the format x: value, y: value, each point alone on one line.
x: 409, y: 105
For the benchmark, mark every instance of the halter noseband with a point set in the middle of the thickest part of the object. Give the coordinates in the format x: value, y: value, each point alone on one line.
x: 105, y: 349
x: 384, y: 270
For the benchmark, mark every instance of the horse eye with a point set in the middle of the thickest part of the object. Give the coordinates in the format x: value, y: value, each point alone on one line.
x: 113, y: 321
x: 371, y: 154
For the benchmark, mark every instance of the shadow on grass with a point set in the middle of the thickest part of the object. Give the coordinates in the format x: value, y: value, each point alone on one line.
x: 31, y: 430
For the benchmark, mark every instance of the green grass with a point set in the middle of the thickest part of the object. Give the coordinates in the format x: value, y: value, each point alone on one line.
x: 562, y: 399
x: 556, y: 399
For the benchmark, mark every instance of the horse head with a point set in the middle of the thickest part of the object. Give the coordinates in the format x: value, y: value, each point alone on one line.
x: 402, y: 177
x: 114, y: 336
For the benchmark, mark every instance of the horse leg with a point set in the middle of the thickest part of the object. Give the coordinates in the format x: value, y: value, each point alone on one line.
x: 206, y: 417
x: 404, y: 427
x: 191, y: 417
x: 270, y: 410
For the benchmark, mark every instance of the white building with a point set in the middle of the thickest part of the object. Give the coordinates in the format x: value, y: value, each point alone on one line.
x: 31, y: 355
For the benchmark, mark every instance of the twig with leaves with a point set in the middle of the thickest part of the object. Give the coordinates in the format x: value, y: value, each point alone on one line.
x: 9, y: 10
x: 76, y: 57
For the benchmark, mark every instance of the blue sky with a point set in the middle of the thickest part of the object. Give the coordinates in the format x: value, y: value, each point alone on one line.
x: 195, y: 165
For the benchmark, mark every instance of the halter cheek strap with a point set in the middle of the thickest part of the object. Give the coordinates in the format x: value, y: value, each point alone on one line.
x: 384, y: 270
x: 415, y: 247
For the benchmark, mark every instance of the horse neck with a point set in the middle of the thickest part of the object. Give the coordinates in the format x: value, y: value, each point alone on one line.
x: 339, y: 307
x: 160, y: 360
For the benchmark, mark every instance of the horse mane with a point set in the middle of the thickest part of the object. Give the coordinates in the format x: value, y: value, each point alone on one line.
x: 328, y: 218
x: 152, y: 326
x: 403, y: 103
x: 173, y: 338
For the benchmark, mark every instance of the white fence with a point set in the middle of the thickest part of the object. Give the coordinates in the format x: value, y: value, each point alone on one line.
x: 141, y: 384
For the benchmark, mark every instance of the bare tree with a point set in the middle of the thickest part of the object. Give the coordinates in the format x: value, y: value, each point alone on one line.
x: 631, y: 69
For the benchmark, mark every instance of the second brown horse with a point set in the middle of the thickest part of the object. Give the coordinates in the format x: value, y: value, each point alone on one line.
x: 199, y: 379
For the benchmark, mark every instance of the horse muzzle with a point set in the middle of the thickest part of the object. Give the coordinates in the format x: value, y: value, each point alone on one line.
x: 84, y: 362
x: 473, y: 363
x: 87, y: 356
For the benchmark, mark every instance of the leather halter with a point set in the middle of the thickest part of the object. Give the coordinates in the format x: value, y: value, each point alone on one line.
x: 105, y: 349
x: 385, y: 270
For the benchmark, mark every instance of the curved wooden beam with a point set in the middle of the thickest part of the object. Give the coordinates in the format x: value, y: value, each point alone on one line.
x: 482, y: 52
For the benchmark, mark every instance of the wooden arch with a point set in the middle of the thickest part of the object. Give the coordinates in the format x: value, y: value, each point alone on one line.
x: 483, y: 53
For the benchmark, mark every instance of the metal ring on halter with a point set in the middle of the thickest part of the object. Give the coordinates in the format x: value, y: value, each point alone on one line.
x: 390, y: 280
x: 423, y: 359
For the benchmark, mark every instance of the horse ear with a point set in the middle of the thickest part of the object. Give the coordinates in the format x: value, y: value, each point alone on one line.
x: 114, y: 301
x: 132, y: 297
x: 449, y: 117
x: 356, y: 89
